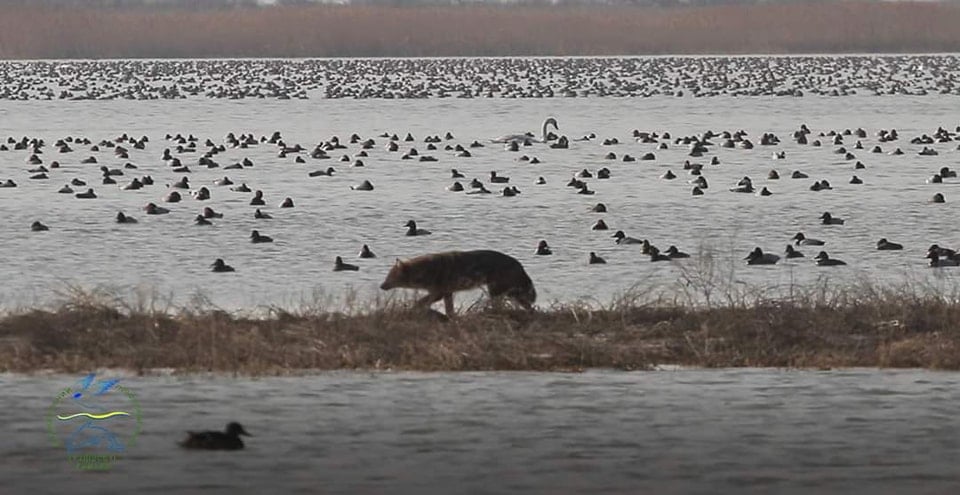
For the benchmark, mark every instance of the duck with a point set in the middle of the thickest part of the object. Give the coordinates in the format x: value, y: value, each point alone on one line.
x: 823, y: 259
x: 884, y: 245
x: 455, y: 187
x: 744, y: 186
x: 802, y: 240
x: 596, y: 260
x: 543, y: 249
x: 456, y: 174
x: 258, y: 199
x: 88, y: 194
x: 340, y: 266
x: 288, y: 203
x: 943, y: 252
x: 209, y: 213
x: 829, y: 219
x: 200, y: 220
x: 257, y: 238
x: 675, y: 253
x: 599, y: 225
x: 38, y: 227
x: 700, y: 182
x: 825, y: 185
x: 622, y: 238
x: 261, y: 215
x: 655, y: 255
x: 412, y: 229
x: 122, y: 218
x: 216, y: 440
x: 646, y: 247
x: 479, y: 189
x: 365, y: 252
x: 498, y: 179
x: 758, y: 257
x: 153, y: 209
x: 134, y: 185
x: 792, y: 253
x: 599, y: 208
x: 936, y: 261
x: 322, y: 173
x: 243, y: 187
x: 937, y: 198
x: 363, y: 186
x: 219, y: 266
x: 202, y: 194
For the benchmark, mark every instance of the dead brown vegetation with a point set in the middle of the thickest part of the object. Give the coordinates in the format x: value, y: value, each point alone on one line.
x: 364, y: 30
x: 814, y: 329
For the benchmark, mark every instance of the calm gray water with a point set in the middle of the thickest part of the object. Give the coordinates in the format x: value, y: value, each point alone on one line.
x: 716, y: 431
x: 168, y: 257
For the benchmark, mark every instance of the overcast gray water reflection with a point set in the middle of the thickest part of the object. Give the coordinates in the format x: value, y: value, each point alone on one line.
x: 716, y: 431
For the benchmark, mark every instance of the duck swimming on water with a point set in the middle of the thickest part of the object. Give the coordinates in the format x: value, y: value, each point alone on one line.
x: 412, y: 229
x: 365, y: 252
x: 622, y: 238
x: 257, y: 238
x: 341, y: 266
x: 220, y: 266
x: 823, y: 259
x: 543, y: 249
x: 216, y: 440
x: 829, y: 219
x: 884, y: 245
x: 758, y: 257
x: 802, y: 240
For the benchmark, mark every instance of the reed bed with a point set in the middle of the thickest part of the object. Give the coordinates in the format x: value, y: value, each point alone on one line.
x: 819, y: 327
x: 29, y: 32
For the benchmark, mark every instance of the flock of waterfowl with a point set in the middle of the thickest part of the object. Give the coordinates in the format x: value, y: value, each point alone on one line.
x: 481, y: 77
x: 196, y: 171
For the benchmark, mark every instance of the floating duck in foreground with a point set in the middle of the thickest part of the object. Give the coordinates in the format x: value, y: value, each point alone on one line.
x: 216, y: 440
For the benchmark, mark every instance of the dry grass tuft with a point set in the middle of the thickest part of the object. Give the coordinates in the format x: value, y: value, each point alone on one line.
x: 817, y: 328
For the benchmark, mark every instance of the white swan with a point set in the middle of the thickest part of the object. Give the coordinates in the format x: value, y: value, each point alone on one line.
x: 508, y: 138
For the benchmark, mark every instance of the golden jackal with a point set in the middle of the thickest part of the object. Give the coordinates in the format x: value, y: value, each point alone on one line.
x: 442, y: 274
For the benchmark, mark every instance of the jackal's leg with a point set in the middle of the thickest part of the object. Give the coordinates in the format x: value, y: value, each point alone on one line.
x: 429, y: 299
x: 523, y: 302
x: 448, y: 304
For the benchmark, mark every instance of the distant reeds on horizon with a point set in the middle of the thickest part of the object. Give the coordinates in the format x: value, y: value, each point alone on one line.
x: 32, y: 32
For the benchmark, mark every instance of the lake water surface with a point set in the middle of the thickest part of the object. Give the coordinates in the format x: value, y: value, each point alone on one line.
x: 677, y: 431
x: 171, y: 255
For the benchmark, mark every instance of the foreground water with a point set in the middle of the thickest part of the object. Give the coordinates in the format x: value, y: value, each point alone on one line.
x: 169, y: 256
x: 717, y: 431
